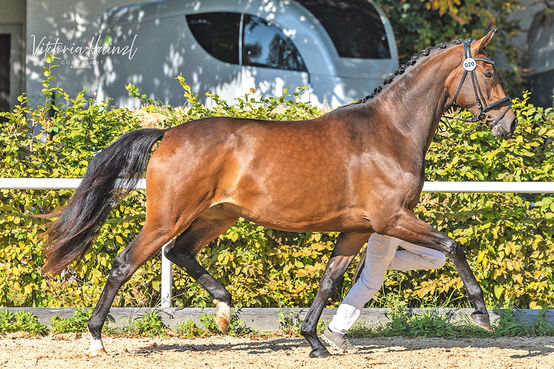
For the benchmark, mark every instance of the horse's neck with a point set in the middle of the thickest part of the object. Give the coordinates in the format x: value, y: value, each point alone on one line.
x: 419, y: 99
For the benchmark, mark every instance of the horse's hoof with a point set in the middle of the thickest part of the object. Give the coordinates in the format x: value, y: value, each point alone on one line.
x: 96, y: 352
x: 320, y: 353
x: 482, y: 320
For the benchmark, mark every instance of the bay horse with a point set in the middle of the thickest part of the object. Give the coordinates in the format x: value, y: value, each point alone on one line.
x: 358, y: 169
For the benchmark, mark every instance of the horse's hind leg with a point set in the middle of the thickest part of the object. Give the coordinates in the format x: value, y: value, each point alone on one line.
x: 141, y: 249
x: 210, y: 224
x: 348, y: 245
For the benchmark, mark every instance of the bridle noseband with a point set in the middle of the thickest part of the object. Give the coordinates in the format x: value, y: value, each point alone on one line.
x: 470, y: 65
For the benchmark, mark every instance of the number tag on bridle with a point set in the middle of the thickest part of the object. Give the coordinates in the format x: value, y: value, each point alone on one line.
x: 469, y: 64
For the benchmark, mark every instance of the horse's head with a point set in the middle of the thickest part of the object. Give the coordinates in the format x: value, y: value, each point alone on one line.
x: 475, y: 86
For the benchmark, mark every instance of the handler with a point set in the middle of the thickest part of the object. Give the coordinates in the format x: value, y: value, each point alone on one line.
x: 381, y: 254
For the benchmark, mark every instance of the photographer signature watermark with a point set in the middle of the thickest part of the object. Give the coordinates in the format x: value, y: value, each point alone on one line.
x: 88, y: 52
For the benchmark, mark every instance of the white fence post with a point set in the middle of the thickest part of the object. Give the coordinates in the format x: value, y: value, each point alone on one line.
x: 166, y: 277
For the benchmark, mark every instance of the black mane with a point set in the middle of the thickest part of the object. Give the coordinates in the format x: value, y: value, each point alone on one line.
x: 413, y: 60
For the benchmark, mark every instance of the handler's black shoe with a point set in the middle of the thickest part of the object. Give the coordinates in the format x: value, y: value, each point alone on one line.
x: 338, y: 340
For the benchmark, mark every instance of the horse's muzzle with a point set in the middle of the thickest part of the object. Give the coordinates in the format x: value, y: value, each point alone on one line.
x: 503, y: 129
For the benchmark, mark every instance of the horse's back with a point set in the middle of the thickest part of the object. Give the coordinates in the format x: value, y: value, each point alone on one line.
x: 296, y: 143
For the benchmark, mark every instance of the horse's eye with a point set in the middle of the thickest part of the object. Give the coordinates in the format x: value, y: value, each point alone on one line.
x: 488, y: 74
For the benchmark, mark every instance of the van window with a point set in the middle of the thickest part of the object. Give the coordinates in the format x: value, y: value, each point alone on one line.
x: 265, y: 45
x: 353, y: 25
x: 5, y: 66
x: 217, y: 33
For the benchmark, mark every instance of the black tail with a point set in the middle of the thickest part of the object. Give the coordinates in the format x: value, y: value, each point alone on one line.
x: 79, y: 222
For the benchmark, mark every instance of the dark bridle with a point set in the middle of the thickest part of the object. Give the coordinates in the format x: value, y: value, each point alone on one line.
x: 470, y: 64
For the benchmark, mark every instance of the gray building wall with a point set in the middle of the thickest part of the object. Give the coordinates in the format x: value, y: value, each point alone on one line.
x: 72, y: 24
x: 13, y: 11
x: 12, y: 22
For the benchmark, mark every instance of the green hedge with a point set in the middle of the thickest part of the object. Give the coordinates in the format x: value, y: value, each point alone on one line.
x: 508, y: 237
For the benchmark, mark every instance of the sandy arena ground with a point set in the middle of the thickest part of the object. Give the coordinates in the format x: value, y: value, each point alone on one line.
x: 276, y: 352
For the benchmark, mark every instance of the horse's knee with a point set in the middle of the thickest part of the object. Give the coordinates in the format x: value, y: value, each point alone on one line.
x: 180, y: 256
x: 452, y: 249
x: 326, y: 286
x: 171, y: 254
x: 181, y: 251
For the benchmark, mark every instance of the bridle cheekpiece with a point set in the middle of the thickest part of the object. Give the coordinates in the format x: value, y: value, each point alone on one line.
x: 470, y: 63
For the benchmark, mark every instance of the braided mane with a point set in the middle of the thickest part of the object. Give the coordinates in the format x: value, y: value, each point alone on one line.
x: 413, y: 60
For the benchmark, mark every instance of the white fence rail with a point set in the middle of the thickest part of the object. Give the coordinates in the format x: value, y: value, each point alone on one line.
x: 48, y: 183
x: 468, y: 187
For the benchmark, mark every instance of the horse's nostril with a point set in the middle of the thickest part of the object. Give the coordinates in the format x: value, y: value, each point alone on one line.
x: 514, y: 124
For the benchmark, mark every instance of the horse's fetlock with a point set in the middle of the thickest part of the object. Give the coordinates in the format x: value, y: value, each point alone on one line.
x: 94, y: 328
x: 475, y: 291
x: 223, y: 296
x: 305, y: 331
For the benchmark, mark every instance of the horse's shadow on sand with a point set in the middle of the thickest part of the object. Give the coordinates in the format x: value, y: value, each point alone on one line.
x: 253, y: 347
x: 367, y: 345
x: 363, y: 346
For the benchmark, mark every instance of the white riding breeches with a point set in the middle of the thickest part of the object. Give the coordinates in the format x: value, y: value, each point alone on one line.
x: 381, y: 254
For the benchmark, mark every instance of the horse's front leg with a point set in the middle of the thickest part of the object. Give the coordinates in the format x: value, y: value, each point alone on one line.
x: 408, y: 227
x: 347, y: 246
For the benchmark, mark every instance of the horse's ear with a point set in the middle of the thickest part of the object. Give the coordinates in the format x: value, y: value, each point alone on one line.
x: 480, y: 44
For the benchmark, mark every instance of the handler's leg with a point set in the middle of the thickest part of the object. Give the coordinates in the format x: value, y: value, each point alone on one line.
x: 415, y: 257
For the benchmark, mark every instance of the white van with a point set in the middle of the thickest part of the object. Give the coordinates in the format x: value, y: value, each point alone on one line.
x: 340, y: 50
